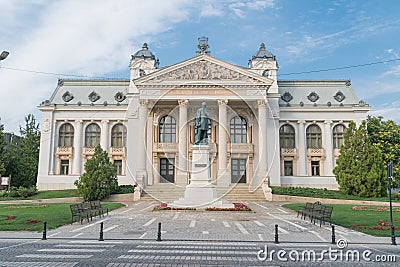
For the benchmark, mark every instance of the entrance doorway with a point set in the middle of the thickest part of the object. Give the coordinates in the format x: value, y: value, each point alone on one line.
x: 167, y: 170
x: 238, y: 171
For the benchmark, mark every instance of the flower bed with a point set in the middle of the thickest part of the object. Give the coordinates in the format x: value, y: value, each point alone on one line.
x: 373, y: 208
x: 164, y: 206
x: 238, y: 207
x: 382, y: 225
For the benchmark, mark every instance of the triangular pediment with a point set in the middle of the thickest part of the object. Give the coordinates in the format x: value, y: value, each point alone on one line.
x: 203, y: 68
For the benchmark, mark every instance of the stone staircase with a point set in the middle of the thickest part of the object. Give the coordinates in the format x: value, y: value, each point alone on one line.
x: 170, y: 192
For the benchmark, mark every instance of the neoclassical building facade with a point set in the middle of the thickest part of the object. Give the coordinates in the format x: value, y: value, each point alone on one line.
x: 261, y: 129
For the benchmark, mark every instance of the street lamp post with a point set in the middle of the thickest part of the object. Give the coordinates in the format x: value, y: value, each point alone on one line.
x: 390, y: 178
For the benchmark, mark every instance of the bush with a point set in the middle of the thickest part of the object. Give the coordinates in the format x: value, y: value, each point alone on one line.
x: 99, y: 179
x: 21, y: 191
x: 124, y: 189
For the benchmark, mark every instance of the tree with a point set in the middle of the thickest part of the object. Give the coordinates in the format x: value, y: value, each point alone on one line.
x: 360, y: 167
x: 2, y: 150
x: 386, y: 136
x: 100, y: 177
x: 23, y: 157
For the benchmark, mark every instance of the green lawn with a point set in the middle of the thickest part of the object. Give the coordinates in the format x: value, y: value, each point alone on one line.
x: 30, y: 217
x: 324, y: 193
x: 47, y: 194
x: 371, y: 220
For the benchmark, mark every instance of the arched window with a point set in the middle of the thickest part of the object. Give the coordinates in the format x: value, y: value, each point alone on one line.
x: 92, y: 135
x: 338, y: 133
x: 118, y: 135
x: 286, y: 136
x: 238, y: 130
x: 167, y: 132
x: 66, y: 135
x: 314, y: 136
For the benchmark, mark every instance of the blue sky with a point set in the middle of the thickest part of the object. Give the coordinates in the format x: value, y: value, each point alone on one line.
x: 96, y: 38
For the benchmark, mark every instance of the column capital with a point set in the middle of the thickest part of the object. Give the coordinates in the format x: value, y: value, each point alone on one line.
x: 105, y: 121
x: 262, y: 103
x: 183, y: 102
x: 78, y: 121
x: 301, y: 121
x: 222, y: 102
x: 328, y: 122
x: 143, y: 102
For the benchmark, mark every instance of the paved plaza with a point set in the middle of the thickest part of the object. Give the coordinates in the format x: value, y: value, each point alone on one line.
x: 188, y: 238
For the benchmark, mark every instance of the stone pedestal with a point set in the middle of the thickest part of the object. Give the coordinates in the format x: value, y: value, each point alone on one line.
x: 200, y: 193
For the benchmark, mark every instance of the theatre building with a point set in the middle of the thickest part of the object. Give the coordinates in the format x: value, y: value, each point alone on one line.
x: 261, y: 129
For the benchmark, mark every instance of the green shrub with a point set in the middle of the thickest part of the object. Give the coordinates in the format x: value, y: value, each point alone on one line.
x: 21, y: 191
x: 124, y: 189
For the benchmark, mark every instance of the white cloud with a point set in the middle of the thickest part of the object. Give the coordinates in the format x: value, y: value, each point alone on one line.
x: 389, y: 113
x: 76, y: 37
x: 393, y: 71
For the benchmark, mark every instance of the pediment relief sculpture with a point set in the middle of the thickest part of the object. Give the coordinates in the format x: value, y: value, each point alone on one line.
x: 203, y: 70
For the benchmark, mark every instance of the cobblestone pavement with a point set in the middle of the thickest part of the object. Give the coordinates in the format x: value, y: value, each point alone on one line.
x: 188, y: 238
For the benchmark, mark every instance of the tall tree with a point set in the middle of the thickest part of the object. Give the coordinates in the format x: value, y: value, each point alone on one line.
x: 386, y: 136
x: 2, y: 150
x: 24, y: 155
x: 100, y: 177
x: 360, y: 167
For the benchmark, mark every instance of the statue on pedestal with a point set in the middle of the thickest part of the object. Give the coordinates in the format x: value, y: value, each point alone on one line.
x: 201, y: 125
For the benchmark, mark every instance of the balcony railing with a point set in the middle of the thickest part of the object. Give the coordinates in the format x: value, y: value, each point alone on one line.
x: 117, y: 151
x: 315, y: 152
x: 88, y: 150
x: 64, y: 150
x: 288, y: 151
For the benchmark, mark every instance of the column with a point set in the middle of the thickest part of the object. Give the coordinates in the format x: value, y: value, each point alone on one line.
x: 141, y: 153
x: 104, y: 135
x: 302, y: 150
x: 53, y: 142
x: 328, y: 146
x: 182, y: 170
x: 223, y: 176
x: 77, y: 160
x: 262, y: 139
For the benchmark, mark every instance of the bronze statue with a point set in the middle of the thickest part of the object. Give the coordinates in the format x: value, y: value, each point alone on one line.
x: 201, y: 125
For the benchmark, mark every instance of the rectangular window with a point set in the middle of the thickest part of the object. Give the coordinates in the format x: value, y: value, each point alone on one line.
x: 288, y: 168
x: 118, y: 165
x: 315, y: 168
x: 64, y: 167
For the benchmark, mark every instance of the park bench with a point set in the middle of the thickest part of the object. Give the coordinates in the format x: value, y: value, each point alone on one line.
x: 87, y: 209
x: 309, y: 209
x: 78, y: 211
x: 323, y: 215
x: 96, y: 205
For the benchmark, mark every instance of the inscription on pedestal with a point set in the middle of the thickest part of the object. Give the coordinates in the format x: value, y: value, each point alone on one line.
x: 200, y: 165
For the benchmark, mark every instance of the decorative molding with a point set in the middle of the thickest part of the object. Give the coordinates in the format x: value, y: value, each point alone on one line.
x: 150, y: 92
x: 67, y: 96
x: 287, y: 97
x: 262, y: 103
x: 203, y: 70
x: 46, y: 125
x: 183, y: 102
x: 223, y: 102
x: 93, y: 96
x: 119, y: 97
x: 255, y: 93
x: 339, y: 96
x: 313, y: 97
